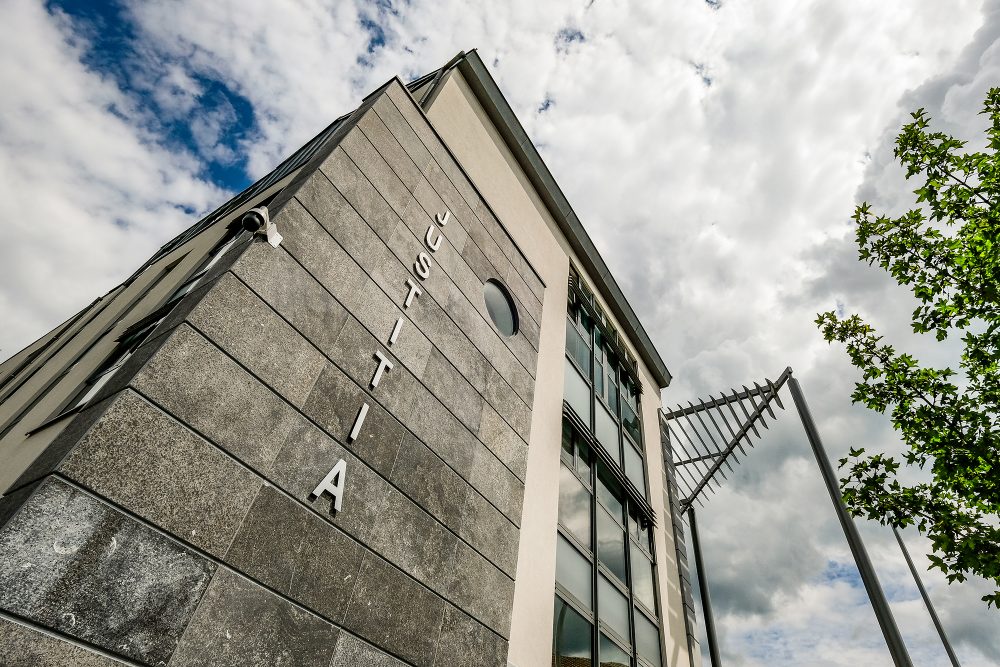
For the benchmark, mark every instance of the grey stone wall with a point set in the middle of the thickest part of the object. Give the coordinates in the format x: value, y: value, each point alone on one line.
x: 173, y: 523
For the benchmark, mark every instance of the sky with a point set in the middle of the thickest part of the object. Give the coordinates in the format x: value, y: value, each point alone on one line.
x: 714, y: 151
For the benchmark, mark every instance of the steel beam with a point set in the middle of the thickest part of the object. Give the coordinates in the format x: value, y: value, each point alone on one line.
x: 883, y: 613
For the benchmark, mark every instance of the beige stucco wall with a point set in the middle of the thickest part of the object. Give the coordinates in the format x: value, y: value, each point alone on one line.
x: 479, y: 148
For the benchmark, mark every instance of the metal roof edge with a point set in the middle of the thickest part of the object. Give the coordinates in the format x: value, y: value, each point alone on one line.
x: 499, y: 110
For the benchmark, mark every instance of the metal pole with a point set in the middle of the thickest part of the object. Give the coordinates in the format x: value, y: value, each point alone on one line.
x: 927, y: 601
x: 883, y: 613
x: 706, y: 600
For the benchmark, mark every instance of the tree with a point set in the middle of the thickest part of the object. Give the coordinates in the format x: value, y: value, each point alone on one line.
x: 947, y: 252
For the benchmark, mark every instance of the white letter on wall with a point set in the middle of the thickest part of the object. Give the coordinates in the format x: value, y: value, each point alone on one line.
x: 383, y: 365
x: 443, y: 221
x: 433, y: 245
x: 422, y: 266
x: 414, y: 291
x: 335, y: 489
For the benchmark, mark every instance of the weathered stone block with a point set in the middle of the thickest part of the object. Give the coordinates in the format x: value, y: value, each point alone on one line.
x: 75, y: 564
x: 239, y: 623
x: 394, y: 612
x: 464, y: 641
x: 199, y: 384
x: 175, y: 479
x: 236, y: 320
x: 21, y: 646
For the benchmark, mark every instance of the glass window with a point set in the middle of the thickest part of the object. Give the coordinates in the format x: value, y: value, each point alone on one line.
x: 606, y: 430
x: 500, y: 307
x: 642, y: 578
x: 631, y: 423
x: 574, y: 506
x: 633, y: 468
x: 574, y: 572
x: 647, y: 639
x: 613, y: 610
x: 609, y: 493
x: 611, y: 654
x: 567, y: 443
x: 611, y: 543
x: 572, y: 638
x: 577, y: 393
x: 584, y: 462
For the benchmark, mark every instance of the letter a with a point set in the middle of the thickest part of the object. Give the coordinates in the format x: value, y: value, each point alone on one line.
x: 338, y: 473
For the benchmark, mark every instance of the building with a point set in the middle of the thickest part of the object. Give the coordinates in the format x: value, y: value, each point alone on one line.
x: 411, y: 419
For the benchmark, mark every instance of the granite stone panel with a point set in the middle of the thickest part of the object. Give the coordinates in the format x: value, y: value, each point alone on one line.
x: 507, y: 445
x: 425, y: 478
x: 382, y: 171
x: 465, y: 642
x: 446, y: 164
x: 352, y: 652
x: 490, y: 532
x: 288, y: 288
x: 176, y: 480
x: 239, y: 623
x: 402, y: 132
x: 72, y: 563
x: 497, y: 483
x: 334, y: 405
x: 415, y: 542
x: 236, y: 320
x: 199, y: 384
x: 285, y: 546
x: 509, y: 405
x: 452, y: 389
x: 395, y: 612
x: 21, y: 646
x: 480, y: 589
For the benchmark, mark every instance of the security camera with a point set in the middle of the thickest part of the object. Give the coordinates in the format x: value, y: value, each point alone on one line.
x: 255, y: 219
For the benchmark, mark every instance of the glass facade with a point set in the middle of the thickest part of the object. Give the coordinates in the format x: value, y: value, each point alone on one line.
x: 606, y: 606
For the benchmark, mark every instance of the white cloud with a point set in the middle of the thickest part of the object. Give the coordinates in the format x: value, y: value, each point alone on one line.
x: 715, y: 156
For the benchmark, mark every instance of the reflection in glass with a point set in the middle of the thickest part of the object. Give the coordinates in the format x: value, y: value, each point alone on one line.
x: 574, y: 572
x: 611, y: 654
x: 584, y: 463
x: 577, y: 393
x: 642, y: 578
x: 633, y: 469
x: 647, y: 639
x: 631, y: 423
x: 609, y: 494
x: 500, y: 306
x: 606, y: 430
x: 611, y: 543
x: 578, y: 343
x: 572, y: 636
x: 613, y: 610
x: 574, y: 506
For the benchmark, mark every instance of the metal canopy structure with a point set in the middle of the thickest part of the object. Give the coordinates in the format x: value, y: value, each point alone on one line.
x: 703, y: 450
x: 702, y: 441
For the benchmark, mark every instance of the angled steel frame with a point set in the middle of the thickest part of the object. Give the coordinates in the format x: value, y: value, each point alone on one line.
x: 699, y: 449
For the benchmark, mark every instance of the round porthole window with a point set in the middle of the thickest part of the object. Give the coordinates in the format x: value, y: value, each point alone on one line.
x: 501, y: 308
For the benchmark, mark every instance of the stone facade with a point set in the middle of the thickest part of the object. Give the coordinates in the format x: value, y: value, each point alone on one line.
x: 174, y: 521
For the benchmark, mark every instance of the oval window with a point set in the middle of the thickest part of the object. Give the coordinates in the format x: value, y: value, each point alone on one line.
x: 501, y: 307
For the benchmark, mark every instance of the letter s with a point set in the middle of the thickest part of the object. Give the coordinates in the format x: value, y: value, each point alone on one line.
x: 422, y: 266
